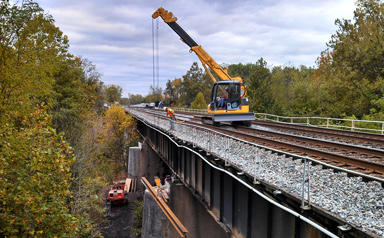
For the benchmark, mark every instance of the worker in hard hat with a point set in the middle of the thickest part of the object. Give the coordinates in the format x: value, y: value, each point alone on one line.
x: 171, y: 114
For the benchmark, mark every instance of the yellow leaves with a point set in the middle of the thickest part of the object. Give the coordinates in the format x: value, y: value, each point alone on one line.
x: 35, y: 162
x: 117, y: 121
x: 39, y: 191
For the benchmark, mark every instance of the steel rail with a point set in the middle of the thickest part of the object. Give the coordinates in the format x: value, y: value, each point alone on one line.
x: 372, y: 151
x: 358, y: 164
x: 349, y: 147
x: 262, y: 195
x: 337, y: 158
x: 279, y: 151
x: 305, y: 126
x: 323, y: 131
x: 179, y: 227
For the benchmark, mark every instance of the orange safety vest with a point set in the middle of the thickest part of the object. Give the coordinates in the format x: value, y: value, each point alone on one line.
x: 170, y: 113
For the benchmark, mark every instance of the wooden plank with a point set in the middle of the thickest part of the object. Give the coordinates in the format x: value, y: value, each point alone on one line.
x: 127, y: 185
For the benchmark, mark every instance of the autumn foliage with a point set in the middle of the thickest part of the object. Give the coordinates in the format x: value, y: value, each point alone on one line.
x: 54, y: 137
x: 35, y: 178
x: 119, y: 126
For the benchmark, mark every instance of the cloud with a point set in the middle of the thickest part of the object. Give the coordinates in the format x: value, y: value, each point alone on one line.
x: 117, y: 35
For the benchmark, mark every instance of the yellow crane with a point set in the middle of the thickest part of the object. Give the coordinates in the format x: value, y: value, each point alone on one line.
x: 228, y: 101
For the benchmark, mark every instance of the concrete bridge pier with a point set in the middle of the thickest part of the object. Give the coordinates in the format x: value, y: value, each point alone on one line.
x: 155, y: 223
x: 144, y: 161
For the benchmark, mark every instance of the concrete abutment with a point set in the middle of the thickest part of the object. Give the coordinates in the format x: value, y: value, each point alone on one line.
x: 145, y: 162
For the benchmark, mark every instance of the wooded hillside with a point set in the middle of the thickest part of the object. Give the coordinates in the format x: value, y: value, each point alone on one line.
x: 56, y: 137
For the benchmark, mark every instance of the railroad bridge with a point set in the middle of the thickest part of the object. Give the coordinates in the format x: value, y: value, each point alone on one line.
x: 238, y: 181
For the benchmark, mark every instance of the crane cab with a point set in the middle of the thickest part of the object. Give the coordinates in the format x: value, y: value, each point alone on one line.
x: 228, y: 105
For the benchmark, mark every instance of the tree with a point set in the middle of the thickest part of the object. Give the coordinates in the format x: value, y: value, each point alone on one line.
x: 191, y: 84
x: 31, y: 49
x: 124, y: 101
x: 357, y: 57
x: 172, y: 91
x: 35, y: 191
x: 92, y: 78
x: 199, y: 102
x: 206, y: 87
x: 43, y: 87
x: 258, y: 87
x: 358, y: 46
x: 135, y: 99
x: 155, y: 95
x: 91, y: 172
x: 36, y: 69
x: 113, y: 93
x: 71, y: 100
x: 293, y: 91
x: 120, y: 131
x: 242, y: 70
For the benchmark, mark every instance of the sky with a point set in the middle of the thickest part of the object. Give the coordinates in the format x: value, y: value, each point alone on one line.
x: 116, y: 35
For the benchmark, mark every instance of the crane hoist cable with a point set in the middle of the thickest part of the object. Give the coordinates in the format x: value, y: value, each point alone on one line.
x: 155, y: 54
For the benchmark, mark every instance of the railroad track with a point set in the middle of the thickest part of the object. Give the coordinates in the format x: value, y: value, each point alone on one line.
x: 357, y: 138
x: 312, y: 142
x: 368, y: 140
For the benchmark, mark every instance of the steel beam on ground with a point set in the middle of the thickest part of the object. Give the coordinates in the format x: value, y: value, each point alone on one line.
x: 179, y: 227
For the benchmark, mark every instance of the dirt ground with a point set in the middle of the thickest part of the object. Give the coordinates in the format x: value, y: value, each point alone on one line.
x: 120, y: 219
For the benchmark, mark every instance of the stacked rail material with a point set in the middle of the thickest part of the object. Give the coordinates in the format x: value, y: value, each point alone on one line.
x: 172, y: 218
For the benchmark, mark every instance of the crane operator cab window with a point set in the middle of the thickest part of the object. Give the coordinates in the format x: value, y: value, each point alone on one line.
x: 226, y: 96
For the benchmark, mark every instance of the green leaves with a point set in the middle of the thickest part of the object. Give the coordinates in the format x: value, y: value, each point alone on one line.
x: 113, y: 93
x: 36, y: 163
x: 183, y: 91
x: 120, y: 130
x: 356, y: 58
x: 199, y: 102
x: 35, y: 180
x: 191, y: 84
x: 31, y: 48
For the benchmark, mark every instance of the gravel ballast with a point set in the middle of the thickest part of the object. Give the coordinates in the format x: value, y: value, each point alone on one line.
x: 359, y: 203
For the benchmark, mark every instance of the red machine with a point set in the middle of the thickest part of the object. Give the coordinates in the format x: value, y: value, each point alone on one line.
x: 119, y: 191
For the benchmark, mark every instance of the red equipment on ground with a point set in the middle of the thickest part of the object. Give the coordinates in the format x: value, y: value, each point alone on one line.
x: 119, y: 191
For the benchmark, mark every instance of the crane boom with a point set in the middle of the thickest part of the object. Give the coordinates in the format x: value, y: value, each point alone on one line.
x: 203, y: 56
x: 228, y: 101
